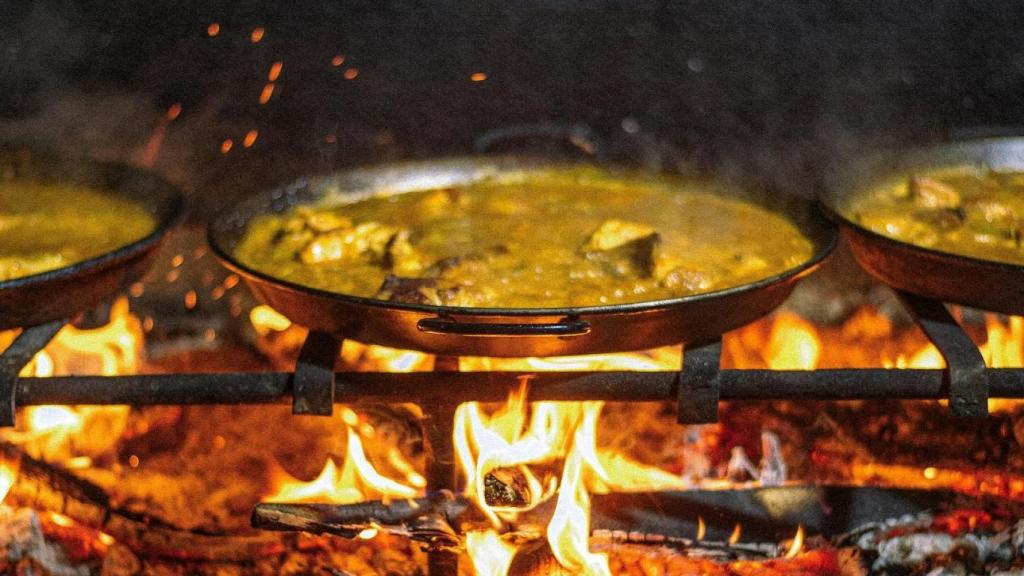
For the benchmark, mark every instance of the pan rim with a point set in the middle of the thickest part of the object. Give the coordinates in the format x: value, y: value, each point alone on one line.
x: 824, y: 242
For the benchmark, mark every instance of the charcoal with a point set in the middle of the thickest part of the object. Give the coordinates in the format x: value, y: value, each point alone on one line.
x: 506, y: 487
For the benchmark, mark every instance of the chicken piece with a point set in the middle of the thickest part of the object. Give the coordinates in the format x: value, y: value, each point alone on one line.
x: 401, y: 257
x: 615, y: 233
x: 628, y: 248
x: 305, y: 218
x: 369, y: 239
x: 931, y: 193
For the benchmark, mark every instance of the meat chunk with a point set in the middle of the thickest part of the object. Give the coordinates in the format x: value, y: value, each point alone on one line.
x: 628, y: 248
x: 369, y: 239
x: 409, y: 290
x: 931, y: 193
x: 615, y: 233
x: 401, y: 257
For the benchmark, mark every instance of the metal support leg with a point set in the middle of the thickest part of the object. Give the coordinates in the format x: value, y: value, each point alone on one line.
x: 313, y: 380
x: 700, y: 384
x: 965, y: 375
x: 441, y: 472
x: 17, y: 355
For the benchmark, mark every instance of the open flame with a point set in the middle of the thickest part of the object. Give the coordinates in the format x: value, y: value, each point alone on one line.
x: 356, y: 481
x: 492, y: 556
x: 74, y: 434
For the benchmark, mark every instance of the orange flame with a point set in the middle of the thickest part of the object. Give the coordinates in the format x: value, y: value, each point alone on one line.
x: 357, y: 480
x: 797, y: 544
x: 794, y: 344
x: 67, y: 433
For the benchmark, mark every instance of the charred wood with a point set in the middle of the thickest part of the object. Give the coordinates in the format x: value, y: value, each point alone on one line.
x: 47, y: 487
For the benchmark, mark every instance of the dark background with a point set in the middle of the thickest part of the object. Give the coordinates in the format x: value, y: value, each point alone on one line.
x: 777, y: 89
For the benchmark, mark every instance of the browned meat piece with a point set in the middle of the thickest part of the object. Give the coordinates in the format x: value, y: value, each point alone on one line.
x: 930, y: 193
x: 409, y: 290
x: 627, y: 248
x: 471, y: 260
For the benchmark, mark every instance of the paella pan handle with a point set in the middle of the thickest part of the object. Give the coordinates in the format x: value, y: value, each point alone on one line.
x: 565, y: 327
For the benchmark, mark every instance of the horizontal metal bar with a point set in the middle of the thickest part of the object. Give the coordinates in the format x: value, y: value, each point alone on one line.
x: 274, y: 387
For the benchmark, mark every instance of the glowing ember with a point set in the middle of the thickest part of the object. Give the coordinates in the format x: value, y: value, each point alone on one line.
x: 351, y: 73
x: 226, y: 145
x: 491, y: 555
x: 256, y: 35
x: 213, y: 29
x: 478, y: 76
x: 337, y: 60
x: 701, y: 528
x: 250, y: 138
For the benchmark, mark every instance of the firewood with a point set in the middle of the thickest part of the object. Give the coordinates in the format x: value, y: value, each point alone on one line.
x: 430, y: 519
x: 46, y: 487
x: 536, y: 559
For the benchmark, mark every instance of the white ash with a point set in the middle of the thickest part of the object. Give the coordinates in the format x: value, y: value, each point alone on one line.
x: 740, y: 468
x: 773, y: 468
x: 23, y: 538
x: 913, y: 550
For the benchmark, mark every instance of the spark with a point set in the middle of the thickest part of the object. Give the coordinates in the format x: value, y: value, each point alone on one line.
x: 351, y: 73
x: 338, y: 60
x: 478, y: 76
x: 213, y: 29
x: 226, y: 145
x: 275, y: 71
x: 268, y: 91
x: 257, y: 35
x: 250, y: 138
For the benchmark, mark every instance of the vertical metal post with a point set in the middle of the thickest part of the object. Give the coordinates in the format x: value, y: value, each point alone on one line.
x: 700, y: 384
x: 15, y: 357
x: 313, y: 380
x: 441, y: 473
x: 966, y: 376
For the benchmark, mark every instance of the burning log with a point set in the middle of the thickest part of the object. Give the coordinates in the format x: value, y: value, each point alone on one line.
x: 430, y: 519
x: 46, y: 487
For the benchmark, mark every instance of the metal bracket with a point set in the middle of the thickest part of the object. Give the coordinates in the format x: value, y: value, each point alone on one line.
x: 17, y: 356
x: 966, y: 376
x: 313, y: 379
x: 700, y: 384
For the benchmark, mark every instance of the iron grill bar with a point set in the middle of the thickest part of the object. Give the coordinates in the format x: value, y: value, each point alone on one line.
x: 275, y: 387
